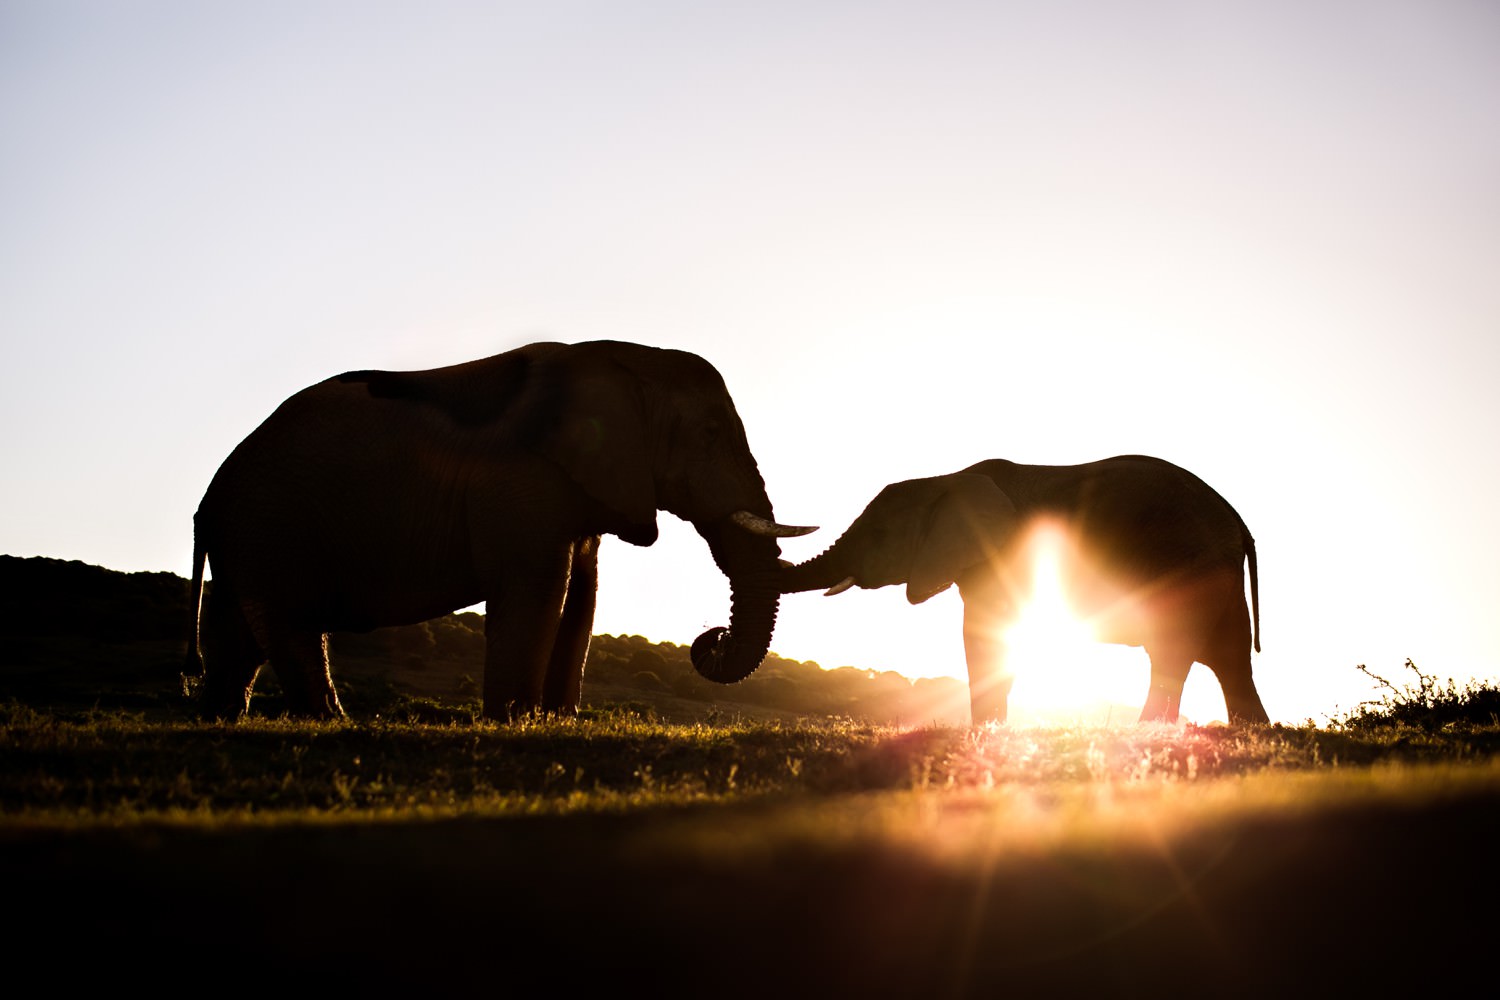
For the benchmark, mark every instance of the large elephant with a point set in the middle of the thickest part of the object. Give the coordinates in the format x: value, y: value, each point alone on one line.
x: 1152, y: 557
x: 379, y: 498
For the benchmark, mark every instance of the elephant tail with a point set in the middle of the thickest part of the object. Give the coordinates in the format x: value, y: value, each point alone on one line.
x: 1254, y: 584
x: 193, y: 665
x: 1247, y: 542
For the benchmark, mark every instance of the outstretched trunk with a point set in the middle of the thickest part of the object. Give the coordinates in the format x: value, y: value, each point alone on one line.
x: 821, y: 572
x: 729, y: 655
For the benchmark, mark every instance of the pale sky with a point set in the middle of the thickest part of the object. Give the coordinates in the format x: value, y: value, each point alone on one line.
x: 1258, y: 239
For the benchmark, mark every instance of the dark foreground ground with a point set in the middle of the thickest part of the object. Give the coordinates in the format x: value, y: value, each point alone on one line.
x: 1373, y: 897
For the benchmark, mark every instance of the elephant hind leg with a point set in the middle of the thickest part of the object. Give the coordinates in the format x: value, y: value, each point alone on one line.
x: 232, y: 656
x: 1230, y: 662
x: 563, y: 690
x: 300, y: 660
x: 1241, y: 700
x: 1169, y: 671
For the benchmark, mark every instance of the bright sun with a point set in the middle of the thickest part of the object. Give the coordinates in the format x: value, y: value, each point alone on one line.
x: 1063, y: 674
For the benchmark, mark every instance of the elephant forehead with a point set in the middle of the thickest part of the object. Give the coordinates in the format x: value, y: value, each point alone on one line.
x: 667, y: 367
x: 908, y: 496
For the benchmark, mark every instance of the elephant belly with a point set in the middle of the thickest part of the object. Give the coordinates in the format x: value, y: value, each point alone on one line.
x: 1179, y: 611
x: 333, y: 585
x: 360, y: 609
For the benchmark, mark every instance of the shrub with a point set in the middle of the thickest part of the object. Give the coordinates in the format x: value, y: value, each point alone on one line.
x: 1427, y: 704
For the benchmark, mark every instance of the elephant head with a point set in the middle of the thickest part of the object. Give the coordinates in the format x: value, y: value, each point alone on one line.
x: 666, y: 436
x: 925, y: 533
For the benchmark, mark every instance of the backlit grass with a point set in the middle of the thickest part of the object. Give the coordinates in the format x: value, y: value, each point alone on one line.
x: 115, y: 767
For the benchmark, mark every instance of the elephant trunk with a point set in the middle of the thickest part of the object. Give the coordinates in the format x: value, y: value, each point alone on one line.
x: 827, y: 571
x: 729, y: 655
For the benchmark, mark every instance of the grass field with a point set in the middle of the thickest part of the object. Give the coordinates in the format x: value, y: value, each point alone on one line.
x: 739, y: 857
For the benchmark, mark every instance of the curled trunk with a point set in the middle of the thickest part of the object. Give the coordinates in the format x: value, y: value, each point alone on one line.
x: 729, y: 655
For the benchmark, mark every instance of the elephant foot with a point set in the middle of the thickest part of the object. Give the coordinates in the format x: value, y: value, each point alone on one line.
x: 221, y: 707
x: 225, y: 714
x: 512, y: 711
x: 321, y: 706
x: 1161, y: 706
x: 981, y: 715
x: 1249, y: 716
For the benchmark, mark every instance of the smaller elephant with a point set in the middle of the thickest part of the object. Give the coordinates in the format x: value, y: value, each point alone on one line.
x: 1154, y: 557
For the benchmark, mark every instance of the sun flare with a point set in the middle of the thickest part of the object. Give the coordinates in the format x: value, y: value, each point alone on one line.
x: 1062, y: 672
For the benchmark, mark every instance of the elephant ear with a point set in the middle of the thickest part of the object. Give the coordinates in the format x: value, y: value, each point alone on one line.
x: 594, y: 420
x: 967, y: 524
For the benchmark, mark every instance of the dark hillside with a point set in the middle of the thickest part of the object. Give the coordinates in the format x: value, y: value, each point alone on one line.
x: 51, y: 597
x: 77, y: 636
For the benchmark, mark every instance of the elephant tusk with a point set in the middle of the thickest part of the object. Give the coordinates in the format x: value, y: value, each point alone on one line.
x: 840, y: 587
x: 758, y: 525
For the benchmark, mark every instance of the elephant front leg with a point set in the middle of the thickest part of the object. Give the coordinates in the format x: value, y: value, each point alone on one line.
x: 521, y: 626
x: 990, y: 680
x: 1169, y: 670
x: 563, y: 690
